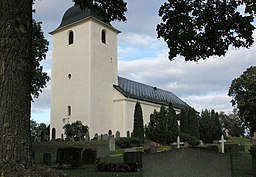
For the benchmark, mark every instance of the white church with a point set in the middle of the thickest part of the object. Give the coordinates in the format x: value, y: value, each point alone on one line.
x: 85, y: 84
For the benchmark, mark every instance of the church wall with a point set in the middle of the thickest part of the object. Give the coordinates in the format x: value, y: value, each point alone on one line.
x: 74, y: 91
x: 104, y: 75
x: 147, y: 109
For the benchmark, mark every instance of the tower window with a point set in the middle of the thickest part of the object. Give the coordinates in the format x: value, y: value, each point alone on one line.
x: 69, y: 110
x: 103, y: 36
x: 70, y: 38
x: 69, y: 76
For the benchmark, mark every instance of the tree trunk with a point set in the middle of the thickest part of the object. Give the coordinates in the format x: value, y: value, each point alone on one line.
x: 15, y: 81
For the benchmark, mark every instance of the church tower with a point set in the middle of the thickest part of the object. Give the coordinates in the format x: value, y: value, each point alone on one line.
x: 84, y: 70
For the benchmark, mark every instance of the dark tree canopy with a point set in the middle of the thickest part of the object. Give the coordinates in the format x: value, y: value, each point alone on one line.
x: 39, y: 49
x: 163, y: 127
x: 75, y: 129
x: 199, y: 29
x: 110, y: 9
x: 243, y: 93
x: 210, y: 127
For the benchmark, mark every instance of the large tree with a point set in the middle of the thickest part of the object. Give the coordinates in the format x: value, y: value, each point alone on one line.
x: 111, y: 9
x: 232, y: 123
x: 199, y: 29
x: 163, y: 127
x: 15, y: 81
x: 138, y: 126
x: 210, y: 127
x: 243, y: 93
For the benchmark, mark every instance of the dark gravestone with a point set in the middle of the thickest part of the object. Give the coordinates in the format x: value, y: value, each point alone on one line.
x: 232, y: 149
x: 253, y: 154
x: 89, y: 156
x: 241, y: 147
x: 47, y: 158
x: 187, y: 162
x: 69, y: 155
x: 151, y: 150
x: 133, y: 158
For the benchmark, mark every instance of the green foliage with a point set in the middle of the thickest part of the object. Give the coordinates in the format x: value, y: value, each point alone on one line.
x: 125, y: 142
x: 243, y: 93
x: 138, y: 128
x: 233, y: 123
x: 202, y: 28
x: 39, y: 132
x: 192, y: 140
x: 210, y: 127
x: 163, y: 127
x: 75, y: 129
x: 39, y: 49
x: 189, y: 123
x: 111, y: 9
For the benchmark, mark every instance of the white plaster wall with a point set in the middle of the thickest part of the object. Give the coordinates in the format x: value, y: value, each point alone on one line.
x: 93, y: 69
x: 104, y: 75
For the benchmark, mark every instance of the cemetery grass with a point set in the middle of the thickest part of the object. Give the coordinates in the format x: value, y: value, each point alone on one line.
x: 242, y: 164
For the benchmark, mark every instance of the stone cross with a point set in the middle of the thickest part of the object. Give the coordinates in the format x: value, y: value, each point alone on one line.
x: 178, y: 142
x: 222, y: 141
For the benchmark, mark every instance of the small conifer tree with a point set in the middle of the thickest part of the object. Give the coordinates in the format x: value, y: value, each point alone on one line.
x: 138, y: 128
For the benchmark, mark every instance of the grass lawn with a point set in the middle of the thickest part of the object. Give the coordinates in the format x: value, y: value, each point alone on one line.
x: 242, y: 164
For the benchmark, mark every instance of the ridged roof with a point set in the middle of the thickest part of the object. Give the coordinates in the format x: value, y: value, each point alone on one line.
x: 148, y: 93
x: 75, y: 14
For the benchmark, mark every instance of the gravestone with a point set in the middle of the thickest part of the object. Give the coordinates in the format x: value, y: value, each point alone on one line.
x: 132, y: 156
x: 96, y: 136
x: 222, y: 141
x: 89, y: 156
x: 254, y: 136
x: 69, y: 155
x: 111, y: 143
x: 241, y: 146
x: 87, y: 136
x: 109, y: 132
x: 47, y: 158
x: 105, y: 137
x: 226, y: 133
x: 187, y: 162
x: 232, y: 149
x: 253, y: 154
x: 178, y: 142
x: 128, y: 134
x: 117, y: 135
x: 151, y: 150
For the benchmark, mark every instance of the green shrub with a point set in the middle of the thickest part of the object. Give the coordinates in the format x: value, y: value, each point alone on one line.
x: 128, y: 142
x: 193, y: 141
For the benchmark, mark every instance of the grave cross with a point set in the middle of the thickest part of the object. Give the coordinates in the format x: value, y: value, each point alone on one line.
x: 222, y: 141
x: 178, y: 142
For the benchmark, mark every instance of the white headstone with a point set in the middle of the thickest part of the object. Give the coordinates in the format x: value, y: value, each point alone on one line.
x: 222, y: 141
x: 226, y: 133
x: 117, y: 135
x: 111, y: 143
x: 254, y: 136
x: 178, y: 142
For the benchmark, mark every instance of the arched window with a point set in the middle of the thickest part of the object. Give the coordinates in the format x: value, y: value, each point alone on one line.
x: 69, y: 110
x: 70, y: 37
x: 103, y: 36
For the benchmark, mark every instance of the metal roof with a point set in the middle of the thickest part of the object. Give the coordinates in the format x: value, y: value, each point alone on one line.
x: 75, y: 14
x: 136, y: 90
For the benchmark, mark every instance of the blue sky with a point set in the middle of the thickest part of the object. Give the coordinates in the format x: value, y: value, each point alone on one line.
x: 144, y: 58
